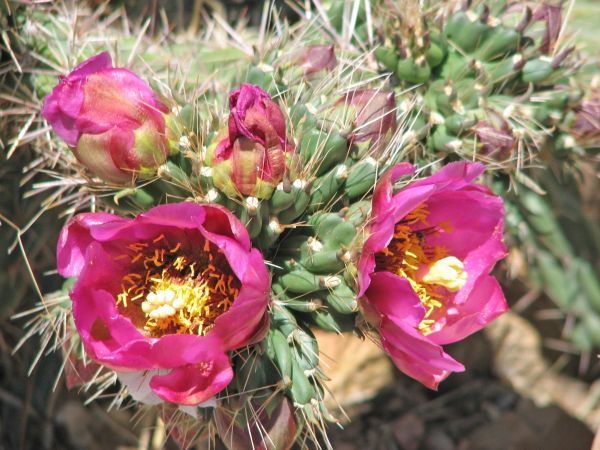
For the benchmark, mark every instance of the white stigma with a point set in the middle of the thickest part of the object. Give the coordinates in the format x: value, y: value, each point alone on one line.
x: 448, y: 272
x: 162, y: 304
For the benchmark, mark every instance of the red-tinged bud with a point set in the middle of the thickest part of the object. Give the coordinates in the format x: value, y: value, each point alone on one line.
x: 269, y: 426
x: 316, y: 58
x: 251, y: 157
x: 185, y: 429
x: 552, y: 16
x: 373, y: 117
x: 495, y: 137
x: 111, y: 119
x: 586, y: 126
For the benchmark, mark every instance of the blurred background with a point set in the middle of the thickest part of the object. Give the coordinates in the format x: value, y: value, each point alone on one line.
x: 531, y: 383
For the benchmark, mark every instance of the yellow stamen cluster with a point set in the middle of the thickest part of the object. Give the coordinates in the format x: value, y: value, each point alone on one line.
x: 172, y: 291
x: 427, y: 268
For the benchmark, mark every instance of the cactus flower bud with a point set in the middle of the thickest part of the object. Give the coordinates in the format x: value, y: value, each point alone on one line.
x: 261, y: 426
x: 316, y: 58
x: 552, y: 16
x: 111, y: 119
x: 249, y: 158
x: 496, y: 137
x: 373, y: 117
x: 586, y: 126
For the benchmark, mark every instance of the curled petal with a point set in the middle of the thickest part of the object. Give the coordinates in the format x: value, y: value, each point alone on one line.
x: 194, y: 384
x: 417, y: 356
x: 92, y: 65
x: 485, y: 302
x: 249, y: 158
x: 75, y: 238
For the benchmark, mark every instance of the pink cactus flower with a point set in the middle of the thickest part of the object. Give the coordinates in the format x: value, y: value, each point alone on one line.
x: 424, y: 271
x: 250, y: 157
x: 166, y: 294
x: 110, y: 118
x: 373, y: 114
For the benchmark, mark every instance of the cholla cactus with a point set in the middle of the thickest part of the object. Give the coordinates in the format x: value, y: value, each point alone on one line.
x: 279, y: 196
x: 493, y: 75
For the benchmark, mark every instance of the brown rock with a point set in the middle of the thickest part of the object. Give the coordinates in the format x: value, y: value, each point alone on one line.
x: 358, y: 369
x: 519, y: 361
x: 530, y: 428
x: 436, y: 439
x: 596, y: 443
x: 408, y: 431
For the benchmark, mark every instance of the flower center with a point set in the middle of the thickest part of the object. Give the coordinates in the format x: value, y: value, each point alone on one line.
x: 174, y: 289
x: 448, y: 272
x: 430, y: 271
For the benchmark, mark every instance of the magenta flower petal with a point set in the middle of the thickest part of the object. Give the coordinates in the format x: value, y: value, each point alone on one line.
x: 382, y: 198
x: 75, y: 238
x: 394, y: 298
x: 245, y: 320
x: 117, y: 97
x: 255, y: 116
x: 399, y: 313
x: 61, y: 107
x: 477, y: 233
x: 92, y: 65
x: 456, y: 175
x: 486, y: 302
x: 177, y: 249
x: 416, y: 356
